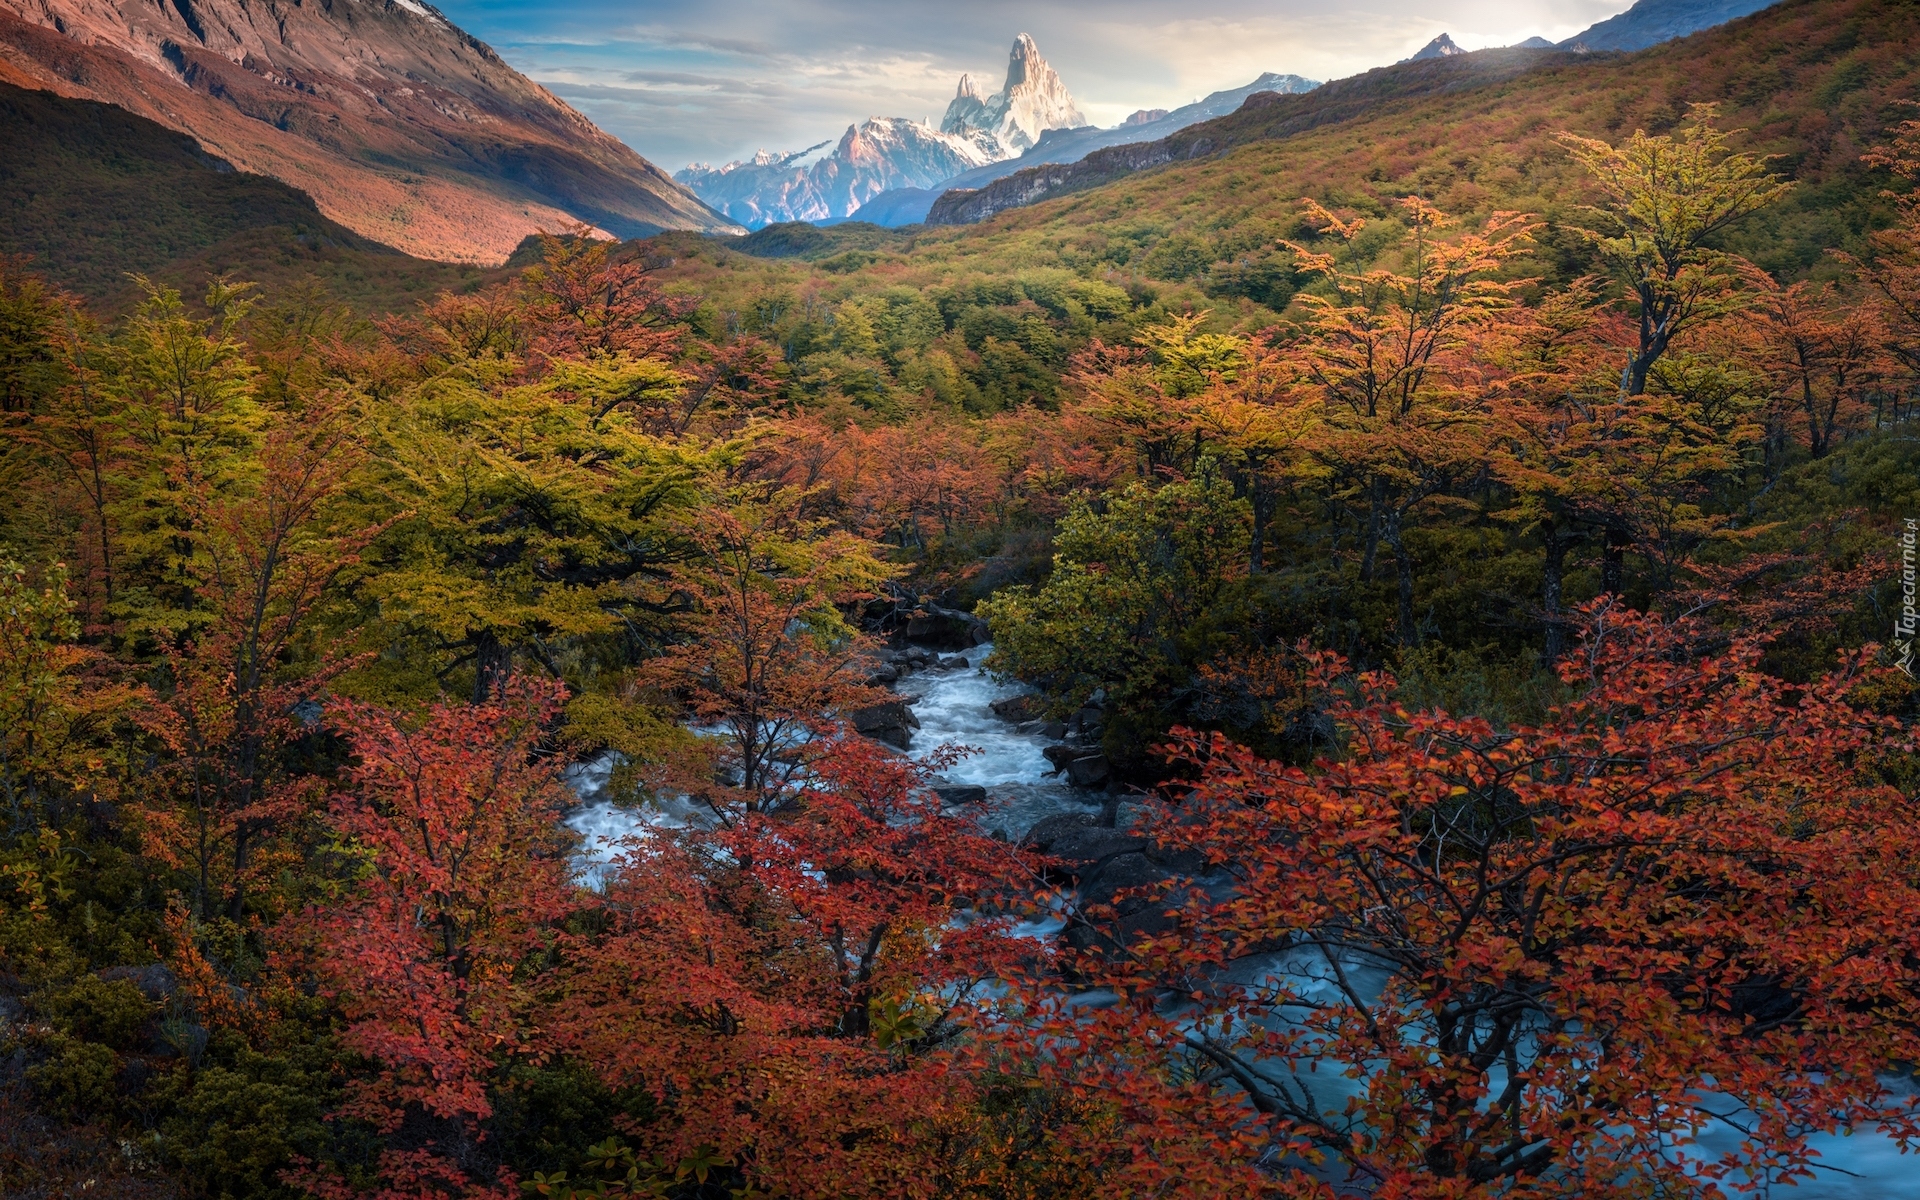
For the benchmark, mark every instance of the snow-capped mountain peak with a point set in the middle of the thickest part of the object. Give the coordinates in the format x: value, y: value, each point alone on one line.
x: 1032, y: 101
x: 1440, y: 47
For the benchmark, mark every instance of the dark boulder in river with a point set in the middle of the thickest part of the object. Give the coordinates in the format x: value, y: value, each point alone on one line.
x: 892, y: 723
x: 1088, y: 771
x: 1016, y: 708
x: 948, y: 628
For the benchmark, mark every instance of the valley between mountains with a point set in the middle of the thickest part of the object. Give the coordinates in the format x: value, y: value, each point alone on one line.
x: 1346, y: 640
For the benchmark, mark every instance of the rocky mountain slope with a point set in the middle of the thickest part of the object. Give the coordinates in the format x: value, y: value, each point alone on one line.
x: 907, y: 207
x: 400, y: 126
x: 1440, y: 47
x: 92, y: 194
x: 1650, y: 22
x: 891, y: 154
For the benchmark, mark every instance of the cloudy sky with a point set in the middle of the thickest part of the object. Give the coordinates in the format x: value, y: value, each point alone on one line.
x: 714, y: 80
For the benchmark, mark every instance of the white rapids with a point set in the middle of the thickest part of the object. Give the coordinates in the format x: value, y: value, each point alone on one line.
x: 952, y: 705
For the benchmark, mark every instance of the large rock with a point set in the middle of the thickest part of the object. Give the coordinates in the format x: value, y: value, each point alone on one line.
x: 1060, y: 756
x: 961, y: 793
x: 1126, y: 904
x: 892, y: 722
x: 1089, y: 771
x: 1081, y: 850
x: 1087, y: 724
x: 1120, y: 874
x: 1048, y: 829
x: 1017, y: 708
x: 948, y: 628
x: 155, y: 981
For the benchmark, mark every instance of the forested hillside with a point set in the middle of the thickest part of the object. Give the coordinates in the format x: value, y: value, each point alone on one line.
x: 1450, y: 554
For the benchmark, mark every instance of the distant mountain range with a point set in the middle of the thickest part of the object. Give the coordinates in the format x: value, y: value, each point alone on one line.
x: 1440, y: 66
x: 910, y: 206
x: 891, y: 153
x: 889, y: 170
x: 892, y: 172
x: 1650, y: 22
x: 400, y: 126
x: 1647, y: 23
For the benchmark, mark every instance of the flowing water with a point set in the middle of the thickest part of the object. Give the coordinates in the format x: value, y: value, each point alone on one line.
x: 953, y: 706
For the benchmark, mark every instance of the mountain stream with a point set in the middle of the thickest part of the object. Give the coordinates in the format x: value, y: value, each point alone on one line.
x: 953, y: 706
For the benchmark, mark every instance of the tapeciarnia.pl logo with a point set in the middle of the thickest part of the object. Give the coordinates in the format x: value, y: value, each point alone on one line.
x: 1905, y: 624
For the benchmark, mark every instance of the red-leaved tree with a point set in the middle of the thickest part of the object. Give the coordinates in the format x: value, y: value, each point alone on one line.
x: 1646, y: 947
x: 463, y: 869
x: 789, y: 987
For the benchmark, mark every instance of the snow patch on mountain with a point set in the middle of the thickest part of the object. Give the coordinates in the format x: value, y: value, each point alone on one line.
x: 817, y: 184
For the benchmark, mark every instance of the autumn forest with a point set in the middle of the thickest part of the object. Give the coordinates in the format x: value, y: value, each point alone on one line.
x: 1477, y: 635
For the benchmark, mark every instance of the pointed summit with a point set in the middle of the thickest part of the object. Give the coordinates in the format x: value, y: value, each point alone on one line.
x: 1023, y: 61
x: 1032, y: 101
x: 1440, y: 47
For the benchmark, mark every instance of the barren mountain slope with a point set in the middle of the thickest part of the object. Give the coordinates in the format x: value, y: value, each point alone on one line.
x: 401, y: 127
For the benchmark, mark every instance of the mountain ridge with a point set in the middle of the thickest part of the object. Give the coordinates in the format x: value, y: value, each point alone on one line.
x: 401, y: 126
x: 1071, y: 145
x: 1650, y: 22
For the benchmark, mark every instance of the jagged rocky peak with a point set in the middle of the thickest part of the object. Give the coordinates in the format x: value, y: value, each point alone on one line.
x: 1440, y: 47
x: 1032, y: 101
x: 968, y: 109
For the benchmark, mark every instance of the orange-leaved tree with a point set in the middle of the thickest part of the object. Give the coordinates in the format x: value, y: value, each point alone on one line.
x: 766, y: 664
x: 1648, y: 946
x: 258, y: 559
x: 1390, y: 359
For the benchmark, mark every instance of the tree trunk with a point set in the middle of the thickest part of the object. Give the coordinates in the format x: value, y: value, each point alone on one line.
x: 1613, y: 569
x: 492, y: 664
x: 1403, y: 568
x: 1552, y: 587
